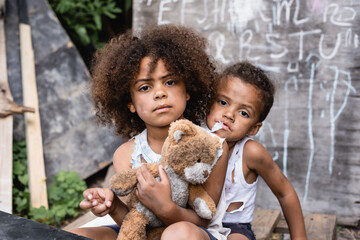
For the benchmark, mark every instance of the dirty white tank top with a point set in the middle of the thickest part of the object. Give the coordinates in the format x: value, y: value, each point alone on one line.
x: 239, y: 190
x: 142, y: 150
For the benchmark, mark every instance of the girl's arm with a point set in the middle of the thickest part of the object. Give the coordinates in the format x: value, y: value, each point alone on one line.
x: 157, y: 196
x: 121, y: 162
x: 259, y: 160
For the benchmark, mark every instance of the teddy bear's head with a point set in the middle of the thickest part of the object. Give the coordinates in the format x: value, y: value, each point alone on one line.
x: 191, y: 151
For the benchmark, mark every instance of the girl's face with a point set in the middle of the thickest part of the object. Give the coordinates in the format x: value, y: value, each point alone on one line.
x: 159, y: 98
x: 238, y: 105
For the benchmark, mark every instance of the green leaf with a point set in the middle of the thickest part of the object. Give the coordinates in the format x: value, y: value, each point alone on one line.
x: 97, y: 20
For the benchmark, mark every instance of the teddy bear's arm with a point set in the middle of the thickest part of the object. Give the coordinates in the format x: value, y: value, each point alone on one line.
x: 122, y: 183
x: 201, y: 202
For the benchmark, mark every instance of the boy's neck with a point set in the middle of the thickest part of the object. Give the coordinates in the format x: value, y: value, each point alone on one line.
x: 156, y: 138
x: 231, y: 145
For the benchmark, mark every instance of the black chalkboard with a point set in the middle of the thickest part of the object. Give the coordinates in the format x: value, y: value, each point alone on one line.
x: 310, y: 48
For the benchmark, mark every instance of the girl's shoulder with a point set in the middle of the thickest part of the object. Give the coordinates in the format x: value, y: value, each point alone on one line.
x: 122, y: 156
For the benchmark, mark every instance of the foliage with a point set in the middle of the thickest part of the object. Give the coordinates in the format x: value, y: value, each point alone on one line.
x: 21, y: 193
x: 83, y: 18
x: 64, y: 194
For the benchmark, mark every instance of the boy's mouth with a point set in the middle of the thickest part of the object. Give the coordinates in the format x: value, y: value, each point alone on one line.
x: 220, y: 125
x: 217, y: 126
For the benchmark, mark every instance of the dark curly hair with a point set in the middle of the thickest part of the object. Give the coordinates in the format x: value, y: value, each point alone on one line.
x: 256, y: 77
x: 116, y: 65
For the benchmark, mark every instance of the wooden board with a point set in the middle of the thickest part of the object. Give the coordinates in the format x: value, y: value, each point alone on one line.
x: 34, y: 144
x: 6, y: 127
x: 320, y: 226
x: 264, y: 222
x: 311, y: 49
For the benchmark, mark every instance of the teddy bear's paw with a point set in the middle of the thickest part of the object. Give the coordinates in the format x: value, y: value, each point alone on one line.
x: 120, y: 192
x: 202, y: 209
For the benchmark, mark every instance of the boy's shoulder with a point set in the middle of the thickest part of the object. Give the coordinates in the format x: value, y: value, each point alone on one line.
x: 255, y: 154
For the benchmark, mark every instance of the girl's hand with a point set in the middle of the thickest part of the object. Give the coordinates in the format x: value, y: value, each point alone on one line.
x: 99, y: 200
x: 154, y: 195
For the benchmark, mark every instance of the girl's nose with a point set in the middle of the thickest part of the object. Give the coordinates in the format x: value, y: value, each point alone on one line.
x: 160, y: 93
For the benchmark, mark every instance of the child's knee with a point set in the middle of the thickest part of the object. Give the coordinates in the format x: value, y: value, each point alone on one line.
x: 180, y: 230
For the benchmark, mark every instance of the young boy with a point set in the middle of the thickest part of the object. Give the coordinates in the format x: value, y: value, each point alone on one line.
x: 244, y: 97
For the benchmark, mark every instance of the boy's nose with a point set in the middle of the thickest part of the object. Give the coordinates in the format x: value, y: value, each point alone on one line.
x: 229, y: 115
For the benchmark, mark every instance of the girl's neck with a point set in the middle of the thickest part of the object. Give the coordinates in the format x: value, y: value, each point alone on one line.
x: 156, y: 137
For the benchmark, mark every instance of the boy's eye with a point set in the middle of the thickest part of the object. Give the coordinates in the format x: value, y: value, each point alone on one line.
x: 170, y: 82
x: 144, y: 88
x: 244, y: 114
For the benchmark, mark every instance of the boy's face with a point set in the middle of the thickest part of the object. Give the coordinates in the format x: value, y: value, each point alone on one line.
x: 238, y: 106
x: 159, y: 98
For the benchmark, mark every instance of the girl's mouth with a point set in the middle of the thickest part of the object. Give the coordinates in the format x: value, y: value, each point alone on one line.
x: 162, y: 108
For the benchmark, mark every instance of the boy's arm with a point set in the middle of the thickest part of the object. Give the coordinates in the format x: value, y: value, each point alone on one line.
x: 258, y: 159
x: 157, y: 197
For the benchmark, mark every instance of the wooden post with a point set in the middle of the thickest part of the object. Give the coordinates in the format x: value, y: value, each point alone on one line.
x: 36, y: 168
x: 6, y: 126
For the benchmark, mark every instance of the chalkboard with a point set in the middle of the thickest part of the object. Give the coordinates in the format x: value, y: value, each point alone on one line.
x: 310, y: 48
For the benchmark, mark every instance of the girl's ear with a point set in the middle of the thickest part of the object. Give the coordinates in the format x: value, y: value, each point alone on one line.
x: 187, y: 97
x: 255, y: 129
x: 131, y: 107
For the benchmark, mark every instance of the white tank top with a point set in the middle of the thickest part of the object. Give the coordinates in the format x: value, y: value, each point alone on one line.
x: 239, y: 190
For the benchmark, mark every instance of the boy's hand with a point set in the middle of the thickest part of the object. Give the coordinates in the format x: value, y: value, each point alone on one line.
x: 99, y: 200
x: 154, y: 195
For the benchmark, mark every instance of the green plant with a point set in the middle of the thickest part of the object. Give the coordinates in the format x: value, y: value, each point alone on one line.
x: 21, y: 193
x: 64, y: 194
x: 83, y: 18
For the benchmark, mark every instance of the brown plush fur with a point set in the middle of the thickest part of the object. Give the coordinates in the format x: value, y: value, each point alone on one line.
x: 193, y: 149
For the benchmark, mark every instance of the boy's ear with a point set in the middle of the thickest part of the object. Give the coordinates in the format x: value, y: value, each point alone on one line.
x: 131, y: 107
x: 255, y: 129
x: 187, y: 97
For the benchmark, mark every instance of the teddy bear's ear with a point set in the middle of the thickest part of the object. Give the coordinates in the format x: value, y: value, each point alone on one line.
x: 178, y: 134
x: 180, y: 128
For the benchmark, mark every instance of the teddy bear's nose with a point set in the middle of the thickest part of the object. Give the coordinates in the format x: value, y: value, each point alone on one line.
x: 205, y: 173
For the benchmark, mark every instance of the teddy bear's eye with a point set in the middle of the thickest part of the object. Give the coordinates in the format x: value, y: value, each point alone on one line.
x: 198, y: 160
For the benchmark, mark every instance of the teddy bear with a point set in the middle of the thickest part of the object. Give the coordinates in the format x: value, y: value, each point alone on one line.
x: 188, y: 155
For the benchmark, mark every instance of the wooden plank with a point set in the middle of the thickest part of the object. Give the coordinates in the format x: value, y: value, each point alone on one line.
x: 320, y: 226
x: 87, y: 217
x: 36, y: 168
x: 6, y: 126
x: 264, y: 222
x: 281, y: 226
x: 109, y: 174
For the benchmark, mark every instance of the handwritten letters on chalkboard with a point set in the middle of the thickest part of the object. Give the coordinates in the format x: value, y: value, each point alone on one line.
x: 311, y: 50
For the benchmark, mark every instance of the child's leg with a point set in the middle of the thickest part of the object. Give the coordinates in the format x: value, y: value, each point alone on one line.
x: 236, y: 236
x: 184, y: 230
x: 101, y: 233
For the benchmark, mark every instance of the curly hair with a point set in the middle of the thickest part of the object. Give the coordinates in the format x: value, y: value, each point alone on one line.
x: 116, y: 66
x: 257, y: 78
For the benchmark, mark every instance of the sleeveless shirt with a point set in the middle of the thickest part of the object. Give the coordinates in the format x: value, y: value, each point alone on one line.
x: 239, y: 190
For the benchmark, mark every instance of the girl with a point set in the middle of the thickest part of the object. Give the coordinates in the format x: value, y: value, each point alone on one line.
x: 141, y: 84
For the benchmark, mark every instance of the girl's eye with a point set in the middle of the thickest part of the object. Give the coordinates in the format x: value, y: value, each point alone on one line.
x: 144, y: 88
x: 222, y: 102
x: 244, y: 114
x: 170, y: 82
